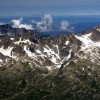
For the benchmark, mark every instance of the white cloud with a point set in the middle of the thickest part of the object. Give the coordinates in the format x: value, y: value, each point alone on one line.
x: 47, y: 19
x: 17, y: 23
x: 45, y: 24
x: 26, y: 26
x: 65, y: 26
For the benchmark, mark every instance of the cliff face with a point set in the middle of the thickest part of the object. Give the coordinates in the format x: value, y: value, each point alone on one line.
x: 54, y: 67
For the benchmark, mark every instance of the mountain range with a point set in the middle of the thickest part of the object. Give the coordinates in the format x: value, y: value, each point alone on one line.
x: 34, y: 67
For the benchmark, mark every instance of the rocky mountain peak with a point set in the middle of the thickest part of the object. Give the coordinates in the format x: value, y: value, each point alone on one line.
x: 54, y: 61
x: 53, y: 48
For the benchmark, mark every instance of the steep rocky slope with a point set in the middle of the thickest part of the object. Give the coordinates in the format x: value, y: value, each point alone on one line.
x: 50, y: 68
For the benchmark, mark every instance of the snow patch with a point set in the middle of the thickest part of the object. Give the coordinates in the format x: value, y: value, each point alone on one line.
x: 58, y: 53
x: 38, y: 51
x: 53, y: 59
x: 11, y: 38
x: 24, y: 41
x: 49, y: 67
x: 58, y: 66
x: 98, y: 29
x: 30, y: 54
x: 51, y: 54
x: 89, y: 47
x: 6, y: 52
x: 67, y: 58
x: 67, y: 42
x: 87, y: 42
x: 83, y: 68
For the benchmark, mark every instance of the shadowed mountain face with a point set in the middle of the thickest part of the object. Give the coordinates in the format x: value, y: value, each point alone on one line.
x: 7, y: 29
x: 50, y: 68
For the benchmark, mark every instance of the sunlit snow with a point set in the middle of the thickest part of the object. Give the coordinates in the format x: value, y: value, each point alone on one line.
x: 6, y: 52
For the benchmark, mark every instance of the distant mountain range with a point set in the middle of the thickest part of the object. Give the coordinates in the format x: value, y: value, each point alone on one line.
x: 80, y: 27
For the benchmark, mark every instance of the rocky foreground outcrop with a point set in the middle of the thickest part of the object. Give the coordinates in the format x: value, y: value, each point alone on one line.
x: 63, y: 67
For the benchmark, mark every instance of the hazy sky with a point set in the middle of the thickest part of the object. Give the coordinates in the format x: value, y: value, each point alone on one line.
x: 55, y: 7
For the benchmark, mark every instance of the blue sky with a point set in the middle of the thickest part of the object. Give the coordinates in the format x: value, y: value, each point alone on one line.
x: 54, y: 7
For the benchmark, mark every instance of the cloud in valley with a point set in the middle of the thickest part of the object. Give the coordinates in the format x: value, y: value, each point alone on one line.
x: 65, y: 26
x: 17, y: 23
x: 45, y: 24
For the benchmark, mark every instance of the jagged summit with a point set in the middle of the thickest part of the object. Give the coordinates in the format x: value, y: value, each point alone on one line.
x: 54, y: 48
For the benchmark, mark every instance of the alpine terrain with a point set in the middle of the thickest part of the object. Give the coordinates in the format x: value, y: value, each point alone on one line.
x: 61, y: 67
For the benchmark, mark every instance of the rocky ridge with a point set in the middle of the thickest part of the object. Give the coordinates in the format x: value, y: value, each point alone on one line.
x: 41, y: 68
